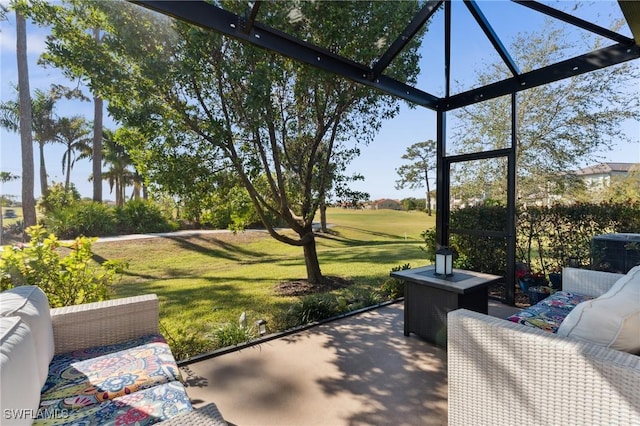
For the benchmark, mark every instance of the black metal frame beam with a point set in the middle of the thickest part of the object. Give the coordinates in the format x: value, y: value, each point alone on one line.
x: 492, y: 36
x: 447, y: 48
x: 211, y: 17
x: 573, y: 20
x: 208, y: 16
x: 592, y: 61
x: 406, y: 36
x: 510, y: 273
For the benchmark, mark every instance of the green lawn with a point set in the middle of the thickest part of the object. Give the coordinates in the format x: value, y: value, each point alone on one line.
x: 206, y: 280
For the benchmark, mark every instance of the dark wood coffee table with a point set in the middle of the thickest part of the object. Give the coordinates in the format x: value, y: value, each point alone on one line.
x: 428, y: 299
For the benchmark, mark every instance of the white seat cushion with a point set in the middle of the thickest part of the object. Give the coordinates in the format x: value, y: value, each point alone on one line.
x: 611, y: 320
x: 19, y: 381
x: 31, y: 304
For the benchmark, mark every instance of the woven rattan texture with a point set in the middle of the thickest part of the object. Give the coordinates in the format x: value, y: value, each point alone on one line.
x: 103, y: 323
x: 503, y: 373
x: 207, y: 415
x: 587, y: 282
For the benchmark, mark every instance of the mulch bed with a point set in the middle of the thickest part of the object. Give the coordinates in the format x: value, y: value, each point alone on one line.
x: 302, y: 287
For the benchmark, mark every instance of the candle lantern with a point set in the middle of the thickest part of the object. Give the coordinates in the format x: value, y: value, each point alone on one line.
x: 444, y: 261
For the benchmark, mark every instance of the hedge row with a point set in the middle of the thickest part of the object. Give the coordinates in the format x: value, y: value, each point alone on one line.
x: 547, y: 238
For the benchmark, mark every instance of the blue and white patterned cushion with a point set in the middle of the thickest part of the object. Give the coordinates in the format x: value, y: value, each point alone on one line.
x: 549, y: 313
x: 91, y: 376
x: 141, y: 408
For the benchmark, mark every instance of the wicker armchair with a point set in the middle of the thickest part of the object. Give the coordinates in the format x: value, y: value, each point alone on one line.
x: 503, y: 373
x: 113, y: 321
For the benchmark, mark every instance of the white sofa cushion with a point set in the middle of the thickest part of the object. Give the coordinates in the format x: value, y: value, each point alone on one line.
x: 19, y: 381
x: 611, y: 320
x: 31, y: 304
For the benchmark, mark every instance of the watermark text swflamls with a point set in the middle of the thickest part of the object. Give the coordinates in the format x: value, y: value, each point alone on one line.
x: 31, y: 414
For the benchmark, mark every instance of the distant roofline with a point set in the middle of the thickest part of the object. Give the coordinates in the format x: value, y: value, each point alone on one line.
x: 604, y: 168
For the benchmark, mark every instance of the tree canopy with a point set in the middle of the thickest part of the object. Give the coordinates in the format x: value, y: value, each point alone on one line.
x: 560, y: 125
x: 422, y: 156
x: 208, y: 104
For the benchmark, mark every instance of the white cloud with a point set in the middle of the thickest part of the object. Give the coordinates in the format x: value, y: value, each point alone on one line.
x: 36, y: 36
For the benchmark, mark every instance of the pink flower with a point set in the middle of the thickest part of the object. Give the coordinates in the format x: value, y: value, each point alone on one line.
x: 132, y: 416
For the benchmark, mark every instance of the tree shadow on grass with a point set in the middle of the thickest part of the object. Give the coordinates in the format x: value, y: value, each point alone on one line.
x: 370, y: 232
x: 353, y: 242
x: 224, y: 250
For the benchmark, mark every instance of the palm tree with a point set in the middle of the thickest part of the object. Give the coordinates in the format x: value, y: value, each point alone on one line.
x: 44, y: 129
x: 117, y: 158
x: 74, y: 134
x: 26, y: 141
x: 97, y: 137
x: 42, y: 124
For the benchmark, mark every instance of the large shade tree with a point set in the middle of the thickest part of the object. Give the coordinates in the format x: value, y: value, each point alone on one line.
x: 422, y: 160
x: 273, y: 121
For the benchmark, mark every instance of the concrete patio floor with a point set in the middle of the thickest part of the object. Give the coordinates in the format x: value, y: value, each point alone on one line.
x: 359, y: 370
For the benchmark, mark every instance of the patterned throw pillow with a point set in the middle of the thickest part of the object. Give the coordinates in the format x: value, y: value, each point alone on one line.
x: 550, y: 312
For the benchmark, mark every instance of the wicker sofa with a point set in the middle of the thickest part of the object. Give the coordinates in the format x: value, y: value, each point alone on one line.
x: 96, y: 363
x: 504, y: 373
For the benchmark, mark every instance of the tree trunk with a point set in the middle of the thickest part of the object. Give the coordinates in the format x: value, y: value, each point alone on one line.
x: 44, y: 187
x: 97, y: 139
x: 314, y: 276
x: 26, y: 125
x: 426, y: 178
x: 97, y: 149
x: 119, y: 195
x: 67, y: 181
x: 323, y: 216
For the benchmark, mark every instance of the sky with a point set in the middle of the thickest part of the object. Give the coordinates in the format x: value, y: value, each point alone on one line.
x: 379, y: 160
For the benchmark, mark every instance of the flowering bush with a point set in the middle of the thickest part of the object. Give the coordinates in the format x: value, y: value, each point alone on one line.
x: 66, y: 280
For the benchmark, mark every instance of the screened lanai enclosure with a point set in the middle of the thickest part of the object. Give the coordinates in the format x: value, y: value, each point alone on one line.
x: 454, y: 36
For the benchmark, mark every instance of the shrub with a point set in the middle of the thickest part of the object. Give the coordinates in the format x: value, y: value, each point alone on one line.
x: 138, y: 216
x: 191, y: 339
x: 66, y: 280
x: 546, y: 237
x: 393, y: 288
x: 486, y: 254
x: 58, y: 197
x: 187, y: 341
x: 314, y: 307
x: 360, y: 298
x: 232, y: 333
x: 81, y: 218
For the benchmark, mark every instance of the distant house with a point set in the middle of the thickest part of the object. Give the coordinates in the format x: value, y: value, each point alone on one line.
x: 386, y: 203
x: 600, y: 175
